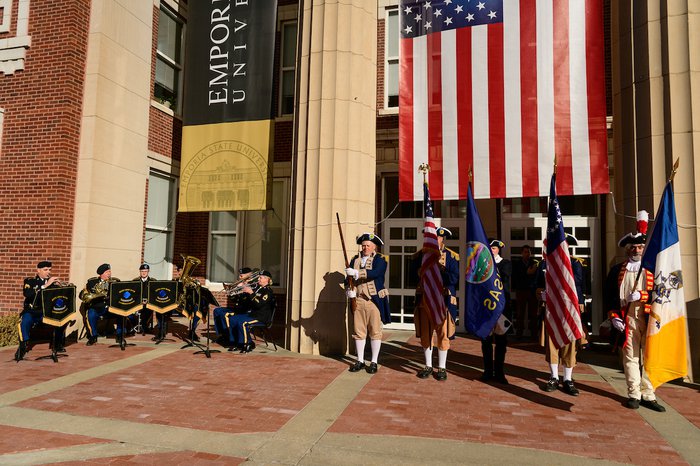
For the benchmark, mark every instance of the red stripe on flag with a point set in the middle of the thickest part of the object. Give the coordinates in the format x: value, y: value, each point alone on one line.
x: 562, y: 98
x: 497, y: 137
x: 435, y: 114
x: 406, y: 121
x: 563, y: 320
x: 595, y: 79
x: 528, y: 98
x: 464, y: 108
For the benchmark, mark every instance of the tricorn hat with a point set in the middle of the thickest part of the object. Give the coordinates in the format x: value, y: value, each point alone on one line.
x: 571, y: 240
x: 497, y: 242
x: 640, y: 236
x: 442, y: 231
x: 370, y: 237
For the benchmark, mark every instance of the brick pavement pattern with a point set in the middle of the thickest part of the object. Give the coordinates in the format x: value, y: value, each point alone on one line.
x: 164, y: 405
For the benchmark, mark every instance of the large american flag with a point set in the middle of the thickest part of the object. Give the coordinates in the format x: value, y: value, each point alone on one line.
x: 430, y: 277
x: 502, y: 86
x: 562, y: 318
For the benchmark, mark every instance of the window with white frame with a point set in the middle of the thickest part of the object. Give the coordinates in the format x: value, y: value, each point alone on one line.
x: 288, y: 56
x: 160, y: 224
x: 223, y: 247
x: 169, y: 59
x: 391, y: 58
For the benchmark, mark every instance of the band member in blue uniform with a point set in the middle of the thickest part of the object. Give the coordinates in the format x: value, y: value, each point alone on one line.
x: 494, y: 362
x: 371, y: 297
x: 449, y: 270
x: 261, y: 306
x: 32, y: 313
x: 97, y: 307
x: 144, y: 315
x: 238, y: 303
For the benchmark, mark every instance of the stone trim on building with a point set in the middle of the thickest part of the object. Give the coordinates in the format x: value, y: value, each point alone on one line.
x: 13, y: 49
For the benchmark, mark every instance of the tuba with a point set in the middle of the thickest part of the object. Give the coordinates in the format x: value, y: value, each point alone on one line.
x: 190, y: 263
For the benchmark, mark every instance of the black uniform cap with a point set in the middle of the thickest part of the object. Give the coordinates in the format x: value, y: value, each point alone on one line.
x: 244, y: 270
x: 43, y: 264
x: 103, y: 268
x: 145, y: 266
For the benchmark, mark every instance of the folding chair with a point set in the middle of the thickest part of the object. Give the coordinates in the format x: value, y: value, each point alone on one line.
x: 264, y: 328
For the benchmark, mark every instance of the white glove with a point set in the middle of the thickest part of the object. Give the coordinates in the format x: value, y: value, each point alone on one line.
x: 618, y: 324
x: 351, y: 294
x: 543, y: 295
x: 350, y: 272
x: 634, y: 296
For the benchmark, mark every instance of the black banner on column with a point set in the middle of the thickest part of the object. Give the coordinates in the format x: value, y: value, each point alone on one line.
x: 227, y: 119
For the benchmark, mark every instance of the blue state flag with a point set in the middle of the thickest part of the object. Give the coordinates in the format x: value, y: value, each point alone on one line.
x: 484, y: 289
x: 665, y: 353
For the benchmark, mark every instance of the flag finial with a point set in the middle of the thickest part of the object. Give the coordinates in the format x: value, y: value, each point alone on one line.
x: 675, y: 169
x: 424, y: 168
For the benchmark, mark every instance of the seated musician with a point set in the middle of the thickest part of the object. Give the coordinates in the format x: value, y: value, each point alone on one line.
x: 144, y: 315
x: 97, y: 307
x: 238, y: 303
x: 260, y: 310
x: 162, y: 318
x: 32, y: 313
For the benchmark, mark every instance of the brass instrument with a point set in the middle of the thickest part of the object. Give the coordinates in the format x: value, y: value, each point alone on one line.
x: 101, y: 290
x: 190, y: 263
x: 233, y: 289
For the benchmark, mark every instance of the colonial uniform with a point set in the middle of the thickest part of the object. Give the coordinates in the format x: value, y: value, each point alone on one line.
x: 628, y: 301
x: 260, y: 311
x: 425, y: 328
x: 371, y: 301
x: 494, y: 362
x: 565, y: 355
x: 32, y: 314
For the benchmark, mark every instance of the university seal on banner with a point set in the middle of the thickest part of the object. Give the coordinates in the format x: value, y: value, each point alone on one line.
x: 224, y: 176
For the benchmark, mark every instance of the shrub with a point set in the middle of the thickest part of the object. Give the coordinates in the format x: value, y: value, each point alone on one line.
x: 9, y: 334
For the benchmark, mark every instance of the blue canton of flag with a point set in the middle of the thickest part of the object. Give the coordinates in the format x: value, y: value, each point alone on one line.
x: 484, y: 289
x: 420, y: 18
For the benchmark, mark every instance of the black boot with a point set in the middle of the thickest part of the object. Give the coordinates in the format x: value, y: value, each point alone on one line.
x: 487, y: 353
x: 500, y: 358
x: 21, y: 351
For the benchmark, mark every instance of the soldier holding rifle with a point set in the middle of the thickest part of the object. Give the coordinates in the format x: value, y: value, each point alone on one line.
x: 371, y: 299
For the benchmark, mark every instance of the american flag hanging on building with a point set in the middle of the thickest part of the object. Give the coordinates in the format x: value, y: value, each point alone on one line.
x: 562, y: 318
x: 430, y: 277
x: 502, y: 86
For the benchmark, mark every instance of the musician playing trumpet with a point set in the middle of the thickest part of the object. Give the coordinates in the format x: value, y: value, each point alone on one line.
x: 259, y: 311
x: 97, y: 306
x: 32, y: 313
x: 238, y: 300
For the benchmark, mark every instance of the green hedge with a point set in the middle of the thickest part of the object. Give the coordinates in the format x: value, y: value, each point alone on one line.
x: 8, y: 330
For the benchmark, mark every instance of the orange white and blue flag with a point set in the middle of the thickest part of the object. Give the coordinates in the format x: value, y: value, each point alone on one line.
x: 665, y: 355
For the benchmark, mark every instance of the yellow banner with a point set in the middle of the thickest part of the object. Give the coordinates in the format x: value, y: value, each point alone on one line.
x: 226, y: 167
x: 665, y: 356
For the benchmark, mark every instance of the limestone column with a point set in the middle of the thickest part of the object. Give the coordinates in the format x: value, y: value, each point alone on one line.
x: 112, y: 166
x: 656, y: 116
x: 334, y: 168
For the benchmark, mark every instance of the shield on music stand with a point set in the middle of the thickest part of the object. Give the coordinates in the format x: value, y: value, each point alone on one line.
x: 125, y: 298
x: 162, y: 295
x: 58, y: 305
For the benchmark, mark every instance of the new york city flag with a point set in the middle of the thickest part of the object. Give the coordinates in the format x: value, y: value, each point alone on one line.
x: 484, y: 289
x: 665, y: 356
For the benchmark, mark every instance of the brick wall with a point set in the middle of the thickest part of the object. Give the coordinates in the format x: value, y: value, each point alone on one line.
x: 39, y: 158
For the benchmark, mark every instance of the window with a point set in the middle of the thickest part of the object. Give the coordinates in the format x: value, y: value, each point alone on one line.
x: 223, y: 251
x: 168, y: 59
x: 160, y: 224
x: 288, y: 53
x: 391, y: 59
x: 2, y: 116
x: 267, y: 234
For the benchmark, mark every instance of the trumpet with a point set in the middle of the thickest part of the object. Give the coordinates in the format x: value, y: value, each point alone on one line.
x: 235, y: 288
x: 61, y: 283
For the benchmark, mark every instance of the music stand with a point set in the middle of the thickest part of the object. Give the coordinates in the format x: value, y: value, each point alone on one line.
x: 202, y: 296
x: 162, y: 298
x: 58, y: 307
x: 124, y: 300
